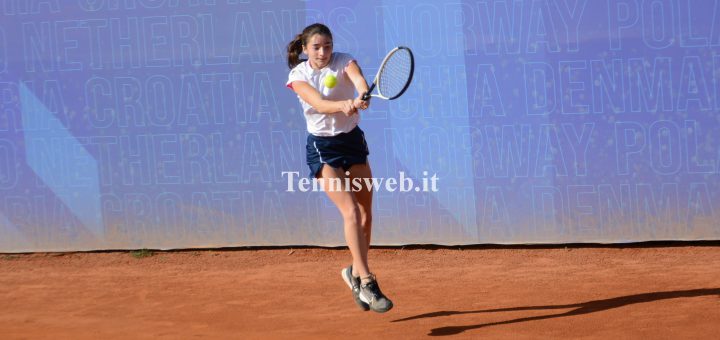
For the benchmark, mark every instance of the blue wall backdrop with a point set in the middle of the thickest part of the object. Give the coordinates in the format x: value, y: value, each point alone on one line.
x: 167, y: 123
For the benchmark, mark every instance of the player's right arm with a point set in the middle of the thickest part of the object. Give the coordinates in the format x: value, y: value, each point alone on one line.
x: 311, y: 96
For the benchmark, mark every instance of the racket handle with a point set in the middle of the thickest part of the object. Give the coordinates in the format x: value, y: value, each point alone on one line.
x: 366, y: 95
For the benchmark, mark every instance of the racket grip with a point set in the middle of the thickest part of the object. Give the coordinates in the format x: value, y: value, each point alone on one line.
x: 366, y: 95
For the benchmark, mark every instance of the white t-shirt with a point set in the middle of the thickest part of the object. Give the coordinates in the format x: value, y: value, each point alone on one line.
x: 320, y: 124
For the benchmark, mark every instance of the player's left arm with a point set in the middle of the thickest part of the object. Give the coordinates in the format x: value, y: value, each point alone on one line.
x: 354, y: 72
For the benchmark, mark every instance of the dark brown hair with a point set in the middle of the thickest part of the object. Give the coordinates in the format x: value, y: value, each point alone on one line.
x: 295, y: 47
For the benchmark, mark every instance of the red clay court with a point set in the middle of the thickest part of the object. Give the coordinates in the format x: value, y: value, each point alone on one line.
x: 648, y: 291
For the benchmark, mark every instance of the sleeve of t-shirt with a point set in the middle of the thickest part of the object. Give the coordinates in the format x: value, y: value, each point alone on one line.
x: 295, y: 75
x: 346, y: 59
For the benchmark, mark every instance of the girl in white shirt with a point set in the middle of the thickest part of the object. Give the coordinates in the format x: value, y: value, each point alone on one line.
x: 326, y: 84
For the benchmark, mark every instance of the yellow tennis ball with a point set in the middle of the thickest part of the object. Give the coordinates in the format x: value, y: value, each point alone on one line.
x: 330, y: 81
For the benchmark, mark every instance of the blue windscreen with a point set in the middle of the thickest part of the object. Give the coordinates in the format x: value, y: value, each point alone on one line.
x: 167, y: 123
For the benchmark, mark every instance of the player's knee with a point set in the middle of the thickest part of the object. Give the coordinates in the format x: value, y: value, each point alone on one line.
x: 352, y: 214
x: 365, y: 219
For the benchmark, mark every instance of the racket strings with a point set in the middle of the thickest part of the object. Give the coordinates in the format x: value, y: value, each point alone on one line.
x: 395, y: 74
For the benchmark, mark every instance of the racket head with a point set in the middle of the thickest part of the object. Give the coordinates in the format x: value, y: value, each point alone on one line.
x: 395, y: 73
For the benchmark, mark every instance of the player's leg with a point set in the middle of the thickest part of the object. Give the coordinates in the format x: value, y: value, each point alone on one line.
x: 344, y: 199
x: 370, y: 292
x: 364, y: 198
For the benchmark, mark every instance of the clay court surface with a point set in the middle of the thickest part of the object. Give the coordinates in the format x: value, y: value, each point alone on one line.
x: 638, y: 292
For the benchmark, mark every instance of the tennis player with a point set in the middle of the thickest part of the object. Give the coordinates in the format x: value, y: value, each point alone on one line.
x: 326, y: 84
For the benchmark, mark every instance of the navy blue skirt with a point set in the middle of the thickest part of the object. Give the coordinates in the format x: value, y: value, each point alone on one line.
x: 341, y: 151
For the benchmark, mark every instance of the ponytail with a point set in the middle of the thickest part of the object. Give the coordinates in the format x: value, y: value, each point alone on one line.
x: 295, y: 47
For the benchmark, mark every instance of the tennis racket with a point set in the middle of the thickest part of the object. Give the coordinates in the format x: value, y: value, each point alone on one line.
x: 394, y: 75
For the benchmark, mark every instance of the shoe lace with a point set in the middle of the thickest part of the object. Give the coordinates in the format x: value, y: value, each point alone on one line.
x: 372, y: 288
x: 370, y: 277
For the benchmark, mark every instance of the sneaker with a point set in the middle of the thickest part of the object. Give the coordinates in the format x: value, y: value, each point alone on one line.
x: 354, y: 284
x: 370, y: 294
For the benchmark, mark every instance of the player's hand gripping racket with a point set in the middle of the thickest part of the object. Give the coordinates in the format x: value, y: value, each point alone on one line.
x: 394, y: 75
